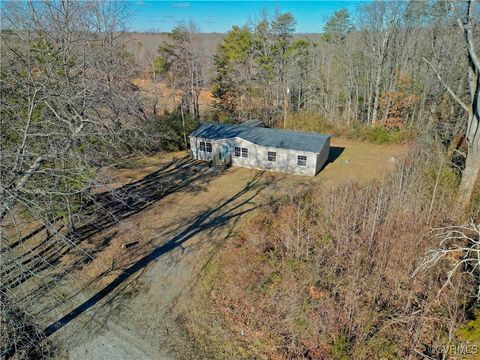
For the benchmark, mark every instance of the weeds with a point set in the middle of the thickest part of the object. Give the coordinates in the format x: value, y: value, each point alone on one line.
x: 380, y: 135
x: 331, y: 278
x: 357, y: 131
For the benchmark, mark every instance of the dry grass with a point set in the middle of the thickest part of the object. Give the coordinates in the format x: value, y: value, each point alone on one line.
x: 349, y: 165
x: 153, y: 225
x: 329, y: 276
x: 166, y: 98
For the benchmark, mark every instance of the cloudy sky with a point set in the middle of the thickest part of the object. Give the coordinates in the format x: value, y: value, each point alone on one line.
x: 219, y: 16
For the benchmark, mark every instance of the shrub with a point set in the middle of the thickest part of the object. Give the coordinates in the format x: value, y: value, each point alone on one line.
x: 306, y: 121
x: 380, y: 135
x: 330, y: 276
x: 341, y: 348
x: 470, y: 332
x: 171, y: 126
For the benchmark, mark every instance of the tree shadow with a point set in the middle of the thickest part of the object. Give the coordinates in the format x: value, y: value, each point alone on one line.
x: 107, y: 209
x: 212, y: 218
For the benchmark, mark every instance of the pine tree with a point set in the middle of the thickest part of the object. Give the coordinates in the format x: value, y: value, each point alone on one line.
x: 338, y: 26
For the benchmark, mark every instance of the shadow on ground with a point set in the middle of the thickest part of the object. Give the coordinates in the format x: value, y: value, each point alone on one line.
x: 213, y: 217
x: 334, y: 154
x: 107, y: 209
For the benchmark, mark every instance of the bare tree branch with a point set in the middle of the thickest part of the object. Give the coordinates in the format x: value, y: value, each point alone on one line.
x: 455, y: 96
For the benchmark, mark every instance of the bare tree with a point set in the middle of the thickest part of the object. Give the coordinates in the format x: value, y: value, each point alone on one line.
x: 20, y: 334
x: 380, y: 24
x: 67, y: 107
x: 461, y: 246
x: 472, y: 157
x: 66, y: 98
x: 472, y: 161
x: 182, y: 57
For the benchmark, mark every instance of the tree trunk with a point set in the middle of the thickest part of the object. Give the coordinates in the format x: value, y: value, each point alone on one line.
x: 472, y: 161
x: 155, y: 89
x: 469, y: 176
x: 376, y: 94
x: 197, y: 107
x: 184, y: 127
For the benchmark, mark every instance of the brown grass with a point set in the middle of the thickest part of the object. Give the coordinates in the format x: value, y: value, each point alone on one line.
x: 165, y: 95
x: 152, y: 226
x: 329, y: 276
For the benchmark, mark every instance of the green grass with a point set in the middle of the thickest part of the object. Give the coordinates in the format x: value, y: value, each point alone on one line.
x: 470, y: 332
x: 341, y: 348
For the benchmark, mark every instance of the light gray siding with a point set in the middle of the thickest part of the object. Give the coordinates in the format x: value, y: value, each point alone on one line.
x: 286, y: 159
x: 217, y: 145
x: 322, y: 158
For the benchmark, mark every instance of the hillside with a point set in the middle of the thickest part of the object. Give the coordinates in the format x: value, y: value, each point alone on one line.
x: 148, y: 203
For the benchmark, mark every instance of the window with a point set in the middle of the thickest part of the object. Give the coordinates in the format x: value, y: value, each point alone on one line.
x: 245, y: 152
x: 209, y: 147
x: 237, y: 151
x: 301, y: 160
x: 202, y: 145
x: 272, y: 156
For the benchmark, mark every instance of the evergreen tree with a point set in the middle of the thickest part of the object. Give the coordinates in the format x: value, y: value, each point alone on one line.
x: 233, y: 69
x: 338, y: 26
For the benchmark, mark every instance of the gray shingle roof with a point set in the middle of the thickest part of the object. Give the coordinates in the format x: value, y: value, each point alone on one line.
x: 253, y: 122
x: 275, y: 138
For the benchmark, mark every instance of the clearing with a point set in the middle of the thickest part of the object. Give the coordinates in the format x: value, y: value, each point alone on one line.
x: 175, y: 212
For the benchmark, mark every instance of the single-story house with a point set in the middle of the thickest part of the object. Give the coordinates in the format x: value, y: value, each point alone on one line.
x: 254, y: 146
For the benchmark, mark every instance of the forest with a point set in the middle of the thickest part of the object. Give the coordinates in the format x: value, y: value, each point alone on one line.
x: 386, y: 269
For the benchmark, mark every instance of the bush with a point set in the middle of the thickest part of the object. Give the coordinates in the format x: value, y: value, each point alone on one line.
x: 380, y: 135
x: 341, y: 348
x: 171, y: 126
x: 470, y: 332
x: 377, y: 135
x: 305, y: 121
x: 330, y: 276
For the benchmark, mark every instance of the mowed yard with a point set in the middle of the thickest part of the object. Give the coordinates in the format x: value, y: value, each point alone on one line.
x: 179, y: 212
x: 349, y: 160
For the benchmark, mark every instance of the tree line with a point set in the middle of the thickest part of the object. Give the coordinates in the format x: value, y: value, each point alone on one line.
x: 68, y: 106
x: 394, y: 65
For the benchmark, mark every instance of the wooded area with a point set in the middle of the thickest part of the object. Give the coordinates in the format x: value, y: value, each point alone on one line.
x: 405, y: 71
x: 396, y: 65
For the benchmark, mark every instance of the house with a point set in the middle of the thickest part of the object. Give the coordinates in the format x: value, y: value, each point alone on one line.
x: 254, y: 146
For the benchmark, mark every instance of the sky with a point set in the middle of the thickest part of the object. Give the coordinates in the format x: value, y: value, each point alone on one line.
x: 220, y: 16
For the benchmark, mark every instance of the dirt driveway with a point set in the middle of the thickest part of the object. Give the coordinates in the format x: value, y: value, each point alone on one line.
x: 119, y: 306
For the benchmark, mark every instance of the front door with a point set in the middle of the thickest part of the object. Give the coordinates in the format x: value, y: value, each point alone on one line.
x: 224, y: 151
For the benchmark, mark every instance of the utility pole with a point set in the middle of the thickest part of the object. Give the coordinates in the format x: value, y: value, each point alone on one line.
x: 285, y: 107
x: 183, y: 125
